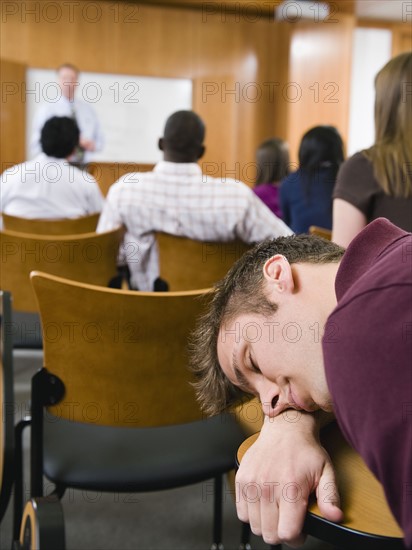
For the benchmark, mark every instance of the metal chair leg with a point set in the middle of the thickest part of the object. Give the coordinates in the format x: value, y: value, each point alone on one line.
x: 217, y: 513
x: 245, y: 537
x: 245, y: 541
x: 18, y: 477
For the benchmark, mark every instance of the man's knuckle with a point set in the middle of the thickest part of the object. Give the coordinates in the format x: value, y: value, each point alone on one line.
x: 271, y: 538
x: 288, y: 534
x: 256, y: 530
x: 243, y: 516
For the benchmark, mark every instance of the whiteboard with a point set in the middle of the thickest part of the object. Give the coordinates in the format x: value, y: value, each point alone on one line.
x: 132, y: 110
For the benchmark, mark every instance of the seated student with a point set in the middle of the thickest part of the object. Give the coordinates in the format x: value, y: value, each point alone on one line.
x: 306, y: 195
x: 360, y: 370
x: 272, y: 165
x: 377, y: 182
x: 48, y: 186
x: 177, y: 198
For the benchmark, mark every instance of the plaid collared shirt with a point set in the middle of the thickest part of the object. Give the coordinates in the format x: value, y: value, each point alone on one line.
x: 178, y: 199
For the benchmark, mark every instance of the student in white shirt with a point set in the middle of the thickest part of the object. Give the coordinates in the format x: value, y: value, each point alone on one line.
x: 67, y: 104
x: 49, y: 186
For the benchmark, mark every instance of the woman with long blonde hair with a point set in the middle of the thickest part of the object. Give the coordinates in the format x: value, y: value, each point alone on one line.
x: 377, y: 182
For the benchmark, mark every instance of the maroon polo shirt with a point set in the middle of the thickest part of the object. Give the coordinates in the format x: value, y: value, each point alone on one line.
x: 368, y: 358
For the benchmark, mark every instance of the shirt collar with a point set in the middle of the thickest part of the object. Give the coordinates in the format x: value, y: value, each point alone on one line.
x: 177, y: 168
x: 45, y: 158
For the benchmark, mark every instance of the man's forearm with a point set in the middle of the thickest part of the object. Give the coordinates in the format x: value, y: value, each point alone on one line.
x: 301, y: 420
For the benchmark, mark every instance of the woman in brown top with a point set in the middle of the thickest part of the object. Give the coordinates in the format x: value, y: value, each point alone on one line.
x: 377, y: 182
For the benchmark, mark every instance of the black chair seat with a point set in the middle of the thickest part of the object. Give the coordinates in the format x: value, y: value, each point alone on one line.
x: 109, y: 458
x: 26, y: 330
x: 131, y: 367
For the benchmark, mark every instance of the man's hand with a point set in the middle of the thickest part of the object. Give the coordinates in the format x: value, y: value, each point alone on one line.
x: 278, y: 474
x: 87, y: 144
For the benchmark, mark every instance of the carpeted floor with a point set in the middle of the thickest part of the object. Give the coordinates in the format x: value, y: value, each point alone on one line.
x: 178, y: 519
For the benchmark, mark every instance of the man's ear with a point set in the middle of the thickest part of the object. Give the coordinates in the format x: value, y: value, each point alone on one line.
x: 278, y: 274
x: 160, y: 144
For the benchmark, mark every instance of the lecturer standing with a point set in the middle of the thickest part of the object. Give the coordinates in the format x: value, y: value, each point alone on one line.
x: 67, y: 104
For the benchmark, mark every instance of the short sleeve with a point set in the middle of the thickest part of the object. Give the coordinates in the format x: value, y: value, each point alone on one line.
x: 356, y: 183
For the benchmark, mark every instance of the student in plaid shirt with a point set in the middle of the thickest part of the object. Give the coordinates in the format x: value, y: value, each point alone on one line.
x: 177, y: 198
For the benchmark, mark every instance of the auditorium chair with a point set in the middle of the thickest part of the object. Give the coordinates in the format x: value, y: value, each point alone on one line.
x: 6, y: 405
x: 136, y: 426
x: 89, y: 257
x: 320, y: 232
x: 49, y: 534
x: 187, y: 264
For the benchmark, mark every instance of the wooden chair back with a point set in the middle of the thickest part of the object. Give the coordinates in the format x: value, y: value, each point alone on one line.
x: 321, y: 232
x: 187, y: 264
x: 89, y: 257
x: 106, y: 173
x: 67, y: 226
x: 125, y: 353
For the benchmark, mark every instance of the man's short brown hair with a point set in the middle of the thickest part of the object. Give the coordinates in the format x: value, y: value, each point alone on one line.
x: 68, y: 66
x: 242, y: 291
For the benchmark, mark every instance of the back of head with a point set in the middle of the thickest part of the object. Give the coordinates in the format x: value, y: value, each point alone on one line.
x: 183, y: 137
x: 320, y: 146
x: 392, y: 105
x: 272, y: 161
x: 391, y: 154
x: 59, y: 137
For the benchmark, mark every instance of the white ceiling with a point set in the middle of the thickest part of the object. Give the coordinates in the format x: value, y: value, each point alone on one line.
x: 396, y: 10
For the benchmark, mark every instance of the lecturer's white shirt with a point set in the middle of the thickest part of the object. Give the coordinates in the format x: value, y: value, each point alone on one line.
x: 86, y: 119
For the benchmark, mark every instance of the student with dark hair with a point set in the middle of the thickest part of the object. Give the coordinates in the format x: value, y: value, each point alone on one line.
x: 49, y: 186
x: 59, y: 137
x: 272, y: 165
x: 306, y: 195
x: 177, y: 198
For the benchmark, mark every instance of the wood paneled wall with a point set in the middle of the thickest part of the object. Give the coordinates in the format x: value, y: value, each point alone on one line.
x: 320, y: 70
x: 12, y: 115
x: 229, y: 58
x: 401, y: 38
x: 246, y: 68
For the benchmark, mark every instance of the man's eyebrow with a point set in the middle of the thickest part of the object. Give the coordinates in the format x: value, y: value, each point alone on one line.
x: 242, y: 382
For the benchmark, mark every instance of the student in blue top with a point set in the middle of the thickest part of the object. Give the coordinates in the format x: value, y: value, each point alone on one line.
x: 306, y: 194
